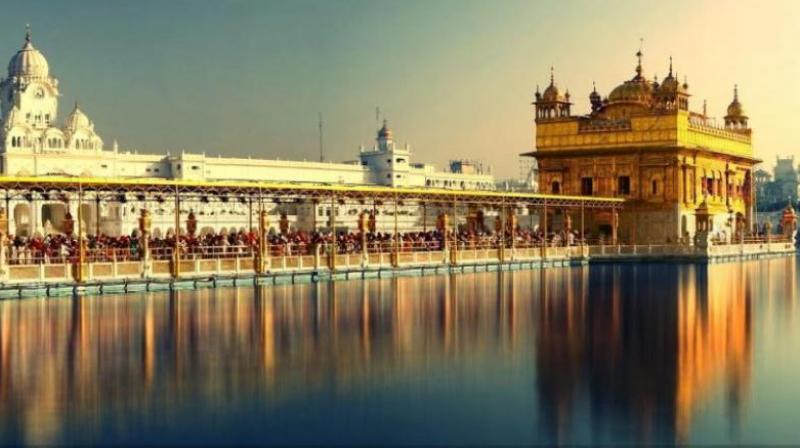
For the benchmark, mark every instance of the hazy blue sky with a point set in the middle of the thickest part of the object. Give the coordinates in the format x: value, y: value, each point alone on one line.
x: 455, y: 78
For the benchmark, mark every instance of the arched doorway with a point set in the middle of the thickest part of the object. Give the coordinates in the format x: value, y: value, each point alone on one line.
x: 22, y: 220
x: 53, y: 217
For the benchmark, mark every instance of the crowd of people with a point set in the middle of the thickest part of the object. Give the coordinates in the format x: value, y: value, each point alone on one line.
x: 60, y: 248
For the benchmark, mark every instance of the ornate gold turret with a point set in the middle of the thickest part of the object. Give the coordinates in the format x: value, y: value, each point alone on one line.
x: 736, y: 119
x: 551, y: 104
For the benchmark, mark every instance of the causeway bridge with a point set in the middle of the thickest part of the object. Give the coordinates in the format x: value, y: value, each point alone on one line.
x: 261, y: 255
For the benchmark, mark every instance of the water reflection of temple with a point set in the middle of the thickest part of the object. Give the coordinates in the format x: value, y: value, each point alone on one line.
x: 87, y: 357
x: 620, y: 344
x: 636, y: 352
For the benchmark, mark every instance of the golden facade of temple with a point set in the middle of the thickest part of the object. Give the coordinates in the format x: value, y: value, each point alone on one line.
x: 643, y: 143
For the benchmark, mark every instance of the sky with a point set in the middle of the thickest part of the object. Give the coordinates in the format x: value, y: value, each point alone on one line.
x: 455, y: 79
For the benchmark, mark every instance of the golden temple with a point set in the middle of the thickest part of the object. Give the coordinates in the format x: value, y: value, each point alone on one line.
x: 644, y: 144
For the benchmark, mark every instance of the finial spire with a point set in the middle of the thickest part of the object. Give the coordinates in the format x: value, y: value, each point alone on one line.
x: 670, y: 66
x: 594, y: 87
x: 28, y: 33
x: 736, y: 92
x: 639, y: 55
x: 552, y: 78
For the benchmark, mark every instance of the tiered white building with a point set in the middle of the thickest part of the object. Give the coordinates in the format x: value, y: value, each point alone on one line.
x: 33, y: 144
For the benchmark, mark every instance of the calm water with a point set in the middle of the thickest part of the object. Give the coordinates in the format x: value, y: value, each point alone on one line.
x: 608, y: 354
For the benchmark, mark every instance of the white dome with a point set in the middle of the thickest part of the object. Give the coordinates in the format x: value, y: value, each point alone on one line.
x: 77, y: 120
x: 28, y: 62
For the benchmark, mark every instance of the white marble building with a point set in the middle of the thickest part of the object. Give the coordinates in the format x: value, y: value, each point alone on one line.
x: 32, y: 143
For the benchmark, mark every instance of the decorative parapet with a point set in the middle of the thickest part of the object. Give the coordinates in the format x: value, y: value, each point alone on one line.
x: 742, y: 136
x: 604, y: 125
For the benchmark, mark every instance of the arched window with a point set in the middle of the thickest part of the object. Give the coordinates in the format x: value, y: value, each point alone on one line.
x: 655, y: 187
x: 555, y: 188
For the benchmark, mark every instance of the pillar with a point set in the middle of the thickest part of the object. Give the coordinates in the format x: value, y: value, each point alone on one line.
x: 97, y: 215
x: 544, y: 230
x: 78, y: 269
x: 614, y: 225
x: 396, y: 246
x: 443, y: 225
x: 567, y: 227
x: 363, y: 225
x: 512, y: 227
x: 176, y: 253
x: 36, y: 215
x: 454, y: 252
x: 3, y: 244
x: 191, y: 224
x: 250, y: 215
x: 502, y: 241
x: 583, y: 223
x: 332, y: 251
x: 145, y: 223
x: 424, y: 217
x: 263, y: 258
x: 9, y: 214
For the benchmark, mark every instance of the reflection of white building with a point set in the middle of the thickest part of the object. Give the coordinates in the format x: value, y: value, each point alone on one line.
x: 34, y: 145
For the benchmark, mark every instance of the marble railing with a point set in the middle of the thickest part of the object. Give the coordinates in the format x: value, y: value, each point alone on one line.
x: 247, y: 265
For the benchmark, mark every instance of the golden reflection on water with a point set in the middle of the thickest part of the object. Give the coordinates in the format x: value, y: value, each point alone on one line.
x: 631, y: 343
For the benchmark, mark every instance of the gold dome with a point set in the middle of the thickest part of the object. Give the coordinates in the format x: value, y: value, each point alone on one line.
x: 670, y: 84
x: 633, y: 91
x: 735, y: 109
x: 551, y: 93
